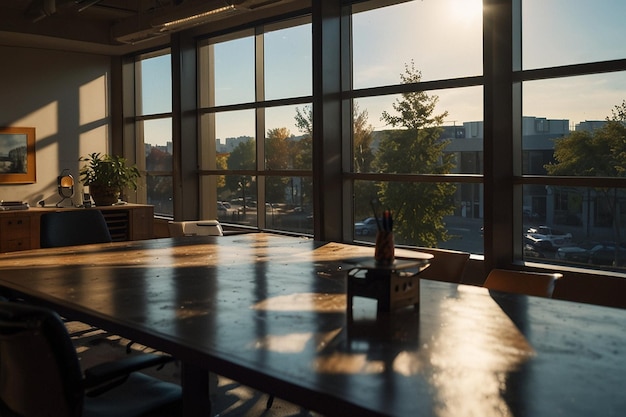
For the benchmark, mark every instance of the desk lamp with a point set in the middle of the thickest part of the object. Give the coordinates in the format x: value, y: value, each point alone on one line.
x: 65, y: 183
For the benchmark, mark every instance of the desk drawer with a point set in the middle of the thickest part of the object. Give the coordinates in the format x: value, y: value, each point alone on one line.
x: 15, y: 227
x: 15, y: 245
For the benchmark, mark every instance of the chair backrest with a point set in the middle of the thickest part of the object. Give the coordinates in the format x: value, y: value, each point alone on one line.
x: 522, y: 282
x: 39, y: 369
x: 73, y: 227
x: 195, y: 228
x: 446, y: 265
x: 602, y: 290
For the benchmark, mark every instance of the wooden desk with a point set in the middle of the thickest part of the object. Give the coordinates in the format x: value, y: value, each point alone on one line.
x: 269, y: 311
x: 19, y: 229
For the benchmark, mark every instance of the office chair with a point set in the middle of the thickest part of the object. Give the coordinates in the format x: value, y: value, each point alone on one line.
x: 40, y: 373
x: 73, y: 227
x: 446, y: 265
x: 195, y: 228
x: 539, y: 284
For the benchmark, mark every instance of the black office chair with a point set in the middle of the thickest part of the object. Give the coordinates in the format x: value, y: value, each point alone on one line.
x: 73, y: 227
x: 40, y: 373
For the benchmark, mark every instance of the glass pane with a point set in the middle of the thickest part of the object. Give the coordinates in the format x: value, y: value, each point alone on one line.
x: 235, y: 139
x: 562, y: 32
x: 234, y: 71
x: 440, y: 215
x: 237, y: 199
x: 289, y: 205
x: 156, y: 85
x: 442, y: 38
x: 160, y: 194
x: 454, y: 144
x: 575, y: 108
x: 157, y: 139
x: 575, y: 225
x: 288, y: 62
x: 288, y: 142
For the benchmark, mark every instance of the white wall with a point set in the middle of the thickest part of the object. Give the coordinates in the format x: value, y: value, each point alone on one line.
x: 64, y: 96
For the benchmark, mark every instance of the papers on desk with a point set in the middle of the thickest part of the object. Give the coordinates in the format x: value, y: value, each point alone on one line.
x: 13, y: 205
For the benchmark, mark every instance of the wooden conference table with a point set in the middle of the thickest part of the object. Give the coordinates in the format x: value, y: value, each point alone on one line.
x: 270, y: 312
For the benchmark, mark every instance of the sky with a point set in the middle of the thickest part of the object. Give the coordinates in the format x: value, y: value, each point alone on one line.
x: 555, y: 32
x: 12, y: 141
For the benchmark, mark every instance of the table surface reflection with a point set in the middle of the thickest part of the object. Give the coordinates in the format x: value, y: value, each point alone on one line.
x: 270, y: 312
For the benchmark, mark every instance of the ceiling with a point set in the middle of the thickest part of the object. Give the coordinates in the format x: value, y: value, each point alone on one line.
x: 113, y: 26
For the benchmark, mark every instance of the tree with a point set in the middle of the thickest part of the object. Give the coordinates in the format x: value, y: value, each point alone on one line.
x: 417, y: 148
x: 221, y: 162
x: 363, y: 159
x: 362, y: 151
x: 619, y: 112
x: 303, y: 149
x: 243, y: 157
x: 362, y: 140
x: 601, y: 153
x: 277, y: 146
x: 278, y: 156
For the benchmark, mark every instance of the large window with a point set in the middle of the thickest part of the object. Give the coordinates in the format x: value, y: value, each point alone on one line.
x: 153, y: 115
x: 573, y: 81
x: 256, y: 127
x: 414, y: 152
x: 494, y: 129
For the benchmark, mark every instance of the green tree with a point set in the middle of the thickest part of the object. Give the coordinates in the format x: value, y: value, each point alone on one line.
x: 303, y: 149
x: 416, y: 147
x: 362, y: 140
x: 363, y: 156
x: 278, y: 156
x: 363, y: 159
x: 243, y: 157
x: 619, y: 112
x: 601, y: 153
x: 221, y: 163
x: 362, y: 135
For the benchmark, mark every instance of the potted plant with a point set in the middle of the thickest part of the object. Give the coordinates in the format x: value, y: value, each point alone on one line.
x: 106, y: 176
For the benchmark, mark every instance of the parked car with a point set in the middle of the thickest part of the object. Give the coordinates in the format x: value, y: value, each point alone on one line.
x: 367, y: 227
x: 547, y: 238
x: 548, y: 231
x: 221, y: 208
x: 595, y: 253
x: 543, y: 242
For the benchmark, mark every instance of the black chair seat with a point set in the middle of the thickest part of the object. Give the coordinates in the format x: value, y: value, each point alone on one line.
x: 40, y: 373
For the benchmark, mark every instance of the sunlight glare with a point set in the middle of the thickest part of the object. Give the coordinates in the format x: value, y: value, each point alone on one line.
x: 465, y: 10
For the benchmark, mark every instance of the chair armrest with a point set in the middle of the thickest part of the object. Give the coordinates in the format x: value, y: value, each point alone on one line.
x: 116, y: 372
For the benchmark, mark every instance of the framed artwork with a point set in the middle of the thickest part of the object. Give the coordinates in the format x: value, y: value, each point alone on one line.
x: 17, y: 155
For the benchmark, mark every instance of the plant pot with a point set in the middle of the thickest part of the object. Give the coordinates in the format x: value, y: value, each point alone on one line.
x: 104, y: 195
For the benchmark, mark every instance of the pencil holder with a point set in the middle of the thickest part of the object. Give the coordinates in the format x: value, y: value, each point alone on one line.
x: 384, y: 252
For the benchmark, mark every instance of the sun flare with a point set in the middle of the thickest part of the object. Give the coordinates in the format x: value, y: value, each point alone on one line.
x: 465, y: 10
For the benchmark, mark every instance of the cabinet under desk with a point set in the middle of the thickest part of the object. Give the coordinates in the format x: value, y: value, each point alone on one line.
x: 19, y: 229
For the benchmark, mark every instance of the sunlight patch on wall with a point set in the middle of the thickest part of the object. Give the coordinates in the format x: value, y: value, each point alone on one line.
x: 93, y: 102
x: 45, y: 118
x: 94, y: 140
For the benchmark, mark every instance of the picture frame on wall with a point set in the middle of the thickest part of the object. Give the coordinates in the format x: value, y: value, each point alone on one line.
x: 17, y: 155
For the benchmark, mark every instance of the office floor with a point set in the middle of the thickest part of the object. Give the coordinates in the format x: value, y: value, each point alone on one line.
x: 228, y: 398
